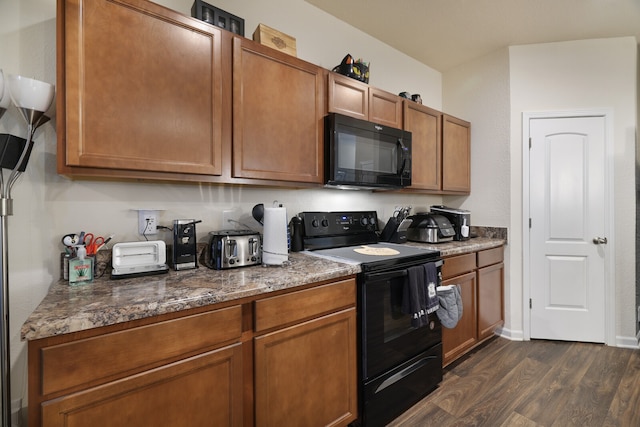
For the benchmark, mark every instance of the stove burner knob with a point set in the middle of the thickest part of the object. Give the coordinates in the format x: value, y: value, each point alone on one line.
x: 315, y: 223
x: 325, y: 222
x: 363, y: 221
x: 372, y: 221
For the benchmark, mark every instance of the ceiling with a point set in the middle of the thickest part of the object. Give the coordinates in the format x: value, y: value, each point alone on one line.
x: 446, y: 33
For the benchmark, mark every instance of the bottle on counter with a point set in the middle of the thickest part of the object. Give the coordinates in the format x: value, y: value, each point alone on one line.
x: 80, y: 267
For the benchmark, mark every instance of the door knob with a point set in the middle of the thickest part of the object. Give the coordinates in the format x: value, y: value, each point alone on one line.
x: 600, y: 240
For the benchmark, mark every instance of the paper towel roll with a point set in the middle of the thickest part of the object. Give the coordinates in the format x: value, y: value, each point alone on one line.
x: 274, y: 241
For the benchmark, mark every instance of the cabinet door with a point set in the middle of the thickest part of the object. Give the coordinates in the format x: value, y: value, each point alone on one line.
x: 385, y: 108
x: 426, y: 144
x: 490, y: 299
x: 204, y: 390
x: 278, y: 115
x: 456, y: 341
x: 307, y: 374
x: 456, y: 155
x: 142, y: 89
x: 348, y: 96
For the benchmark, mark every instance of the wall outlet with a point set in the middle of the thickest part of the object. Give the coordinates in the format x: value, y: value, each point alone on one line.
x: 147, y: 222
x: 230, y: 218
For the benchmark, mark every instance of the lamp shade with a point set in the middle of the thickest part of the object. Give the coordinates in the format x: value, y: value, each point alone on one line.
x: 30, y: 94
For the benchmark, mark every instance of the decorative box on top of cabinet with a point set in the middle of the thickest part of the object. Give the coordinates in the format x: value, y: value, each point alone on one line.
x: 153, y: 104
x: 356, y: 99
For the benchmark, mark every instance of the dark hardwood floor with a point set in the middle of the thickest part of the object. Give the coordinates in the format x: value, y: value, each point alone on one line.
x: 535, y: 383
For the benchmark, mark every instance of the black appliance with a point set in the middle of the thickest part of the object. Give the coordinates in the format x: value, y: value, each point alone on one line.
x: 366, y: 155
x: 395, y: 230
x: 184, y: 253
x: 459, y: 218
x: 398, y: 364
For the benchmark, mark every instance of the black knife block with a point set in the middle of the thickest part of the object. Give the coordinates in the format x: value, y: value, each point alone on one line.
x: 391, y: 234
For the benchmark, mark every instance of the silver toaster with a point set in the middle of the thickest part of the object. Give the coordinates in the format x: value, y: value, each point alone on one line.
x: 232, y: 249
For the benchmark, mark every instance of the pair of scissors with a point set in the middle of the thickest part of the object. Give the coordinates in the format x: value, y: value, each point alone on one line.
x: 93, y: 243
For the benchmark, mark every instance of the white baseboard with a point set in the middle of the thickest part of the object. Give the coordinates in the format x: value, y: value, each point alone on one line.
x: 628, y: 342
x: 622, y: 342
x: 510, y: 335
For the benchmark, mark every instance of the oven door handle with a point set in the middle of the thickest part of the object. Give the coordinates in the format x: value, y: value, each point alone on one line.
x: 392, y: 274
x: 385, y: 276
x: 404, y: 373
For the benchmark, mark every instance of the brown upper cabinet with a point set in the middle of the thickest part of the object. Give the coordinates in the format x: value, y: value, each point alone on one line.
x: 145, y: 92
x: 441, y: 156
x: 140, y: 88
x: 425, y: 125
x: 356, y: 99
x: 278, y: 115
x: 456, y: 155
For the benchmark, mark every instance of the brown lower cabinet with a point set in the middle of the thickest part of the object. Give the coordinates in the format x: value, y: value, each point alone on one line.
x: 288, y: 359
x: 481, y: 279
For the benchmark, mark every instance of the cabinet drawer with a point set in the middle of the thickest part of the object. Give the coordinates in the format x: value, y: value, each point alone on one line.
x: 297, y: 306
x: 112, y: 355
x: 460, y: 264
x: 490, y: 256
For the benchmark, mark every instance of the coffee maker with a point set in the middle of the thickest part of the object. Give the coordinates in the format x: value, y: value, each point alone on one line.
x: 459, y: 218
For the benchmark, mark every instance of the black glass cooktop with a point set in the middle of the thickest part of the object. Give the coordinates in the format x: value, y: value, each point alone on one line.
x: 375, y: 256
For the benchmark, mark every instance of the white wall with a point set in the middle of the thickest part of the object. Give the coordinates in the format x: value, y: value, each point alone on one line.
x: 47, y: 206
x: 493, y: 91
x: 478, y: 91
x: 585, y: 74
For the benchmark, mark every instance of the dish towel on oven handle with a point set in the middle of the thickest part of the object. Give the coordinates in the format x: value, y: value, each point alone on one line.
x: 419, y: 296
x: 450, y: 310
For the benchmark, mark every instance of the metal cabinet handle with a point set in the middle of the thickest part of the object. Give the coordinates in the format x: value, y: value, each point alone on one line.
x: 600, y: 240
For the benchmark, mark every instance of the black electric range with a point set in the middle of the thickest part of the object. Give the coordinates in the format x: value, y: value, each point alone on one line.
x: 398, y: 363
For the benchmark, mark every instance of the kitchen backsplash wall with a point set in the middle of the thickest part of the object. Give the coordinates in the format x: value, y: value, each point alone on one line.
x: 107, y: 207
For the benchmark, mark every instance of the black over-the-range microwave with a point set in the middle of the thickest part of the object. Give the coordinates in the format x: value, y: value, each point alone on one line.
x: 366, y: 155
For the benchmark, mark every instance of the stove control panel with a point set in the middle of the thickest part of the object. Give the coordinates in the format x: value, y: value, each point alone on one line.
x: 317, y: 224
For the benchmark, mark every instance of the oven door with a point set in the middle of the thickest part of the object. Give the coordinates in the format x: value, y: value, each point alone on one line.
x: 388, y: 338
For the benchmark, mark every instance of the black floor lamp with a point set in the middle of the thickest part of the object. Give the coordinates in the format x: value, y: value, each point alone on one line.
x: 32, y: 98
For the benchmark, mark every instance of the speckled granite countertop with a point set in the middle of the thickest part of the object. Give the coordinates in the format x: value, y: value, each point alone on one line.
x: 106, y: 302
x: 459, y: 248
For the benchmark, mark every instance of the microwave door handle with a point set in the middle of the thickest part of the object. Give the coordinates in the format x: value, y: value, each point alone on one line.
x: 403, y: 150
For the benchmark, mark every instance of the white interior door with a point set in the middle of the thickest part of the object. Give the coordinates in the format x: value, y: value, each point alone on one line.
x: 567, y: 240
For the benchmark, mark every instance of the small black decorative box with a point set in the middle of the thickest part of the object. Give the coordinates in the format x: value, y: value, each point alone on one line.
x: 218, y: 17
